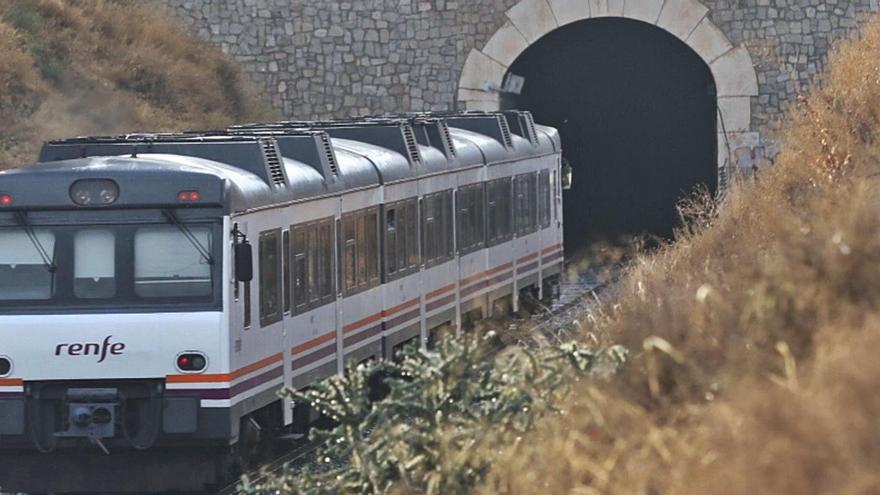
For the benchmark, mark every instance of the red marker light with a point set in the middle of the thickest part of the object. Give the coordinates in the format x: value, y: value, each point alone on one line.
x: 192, y: 362
x: 5, y: 200
x: 188, y: 196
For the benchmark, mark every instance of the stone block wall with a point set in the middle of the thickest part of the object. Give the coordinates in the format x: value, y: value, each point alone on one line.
x: 331, y: 58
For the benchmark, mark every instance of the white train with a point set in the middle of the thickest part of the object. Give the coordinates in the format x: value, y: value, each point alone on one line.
x: 157, y: 291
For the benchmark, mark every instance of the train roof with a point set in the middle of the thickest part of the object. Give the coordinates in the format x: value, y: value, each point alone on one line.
x: 255, y: 165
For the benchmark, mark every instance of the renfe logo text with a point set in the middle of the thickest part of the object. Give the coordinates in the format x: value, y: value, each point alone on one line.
x: 91, y: 349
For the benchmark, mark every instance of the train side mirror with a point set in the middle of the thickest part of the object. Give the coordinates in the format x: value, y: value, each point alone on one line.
x: 244, y: 262
x: 566, y: 176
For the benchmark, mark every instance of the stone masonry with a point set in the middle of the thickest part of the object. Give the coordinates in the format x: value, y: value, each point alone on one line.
x: 330, y: 58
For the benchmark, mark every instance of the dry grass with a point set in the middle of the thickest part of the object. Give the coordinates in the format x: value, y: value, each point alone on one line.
x: 753, y: 338
x: 73, y: 67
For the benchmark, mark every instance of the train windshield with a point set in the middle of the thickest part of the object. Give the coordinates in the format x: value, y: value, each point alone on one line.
x: 109, y: 265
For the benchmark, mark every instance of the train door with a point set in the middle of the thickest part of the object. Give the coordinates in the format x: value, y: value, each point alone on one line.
x: 470, y: 219
x: 401, y: 267
x: 526, y: 227
x: 311, y: 325
x: 360, y: 281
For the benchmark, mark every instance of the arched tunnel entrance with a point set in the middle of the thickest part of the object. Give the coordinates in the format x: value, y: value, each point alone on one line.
x: 636, y: 109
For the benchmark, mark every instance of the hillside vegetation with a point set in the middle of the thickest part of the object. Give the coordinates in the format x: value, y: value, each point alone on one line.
x: 752, y: 338
x: 75, y: 67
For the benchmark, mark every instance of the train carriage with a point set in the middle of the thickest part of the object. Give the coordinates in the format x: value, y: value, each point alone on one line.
x: 157, y: 290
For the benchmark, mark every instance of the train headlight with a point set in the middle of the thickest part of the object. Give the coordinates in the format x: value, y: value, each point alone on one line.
x: 94, y: 192
x: 5, y: 366
x: 5, y: 200
x: 192, y: 362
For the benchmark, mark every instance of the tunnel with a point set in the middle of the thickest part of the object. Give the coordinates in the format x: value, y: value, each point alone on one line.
x: 636, y: 111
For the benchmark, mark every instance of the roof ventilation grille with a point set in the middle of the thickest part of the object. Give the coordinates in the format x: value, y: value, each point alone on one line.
x: 505, y: 131
x: 328, y: 153
x: 450, y: 147
x: 533, y: 133
x: 273, y: 162
x: 412, y: 146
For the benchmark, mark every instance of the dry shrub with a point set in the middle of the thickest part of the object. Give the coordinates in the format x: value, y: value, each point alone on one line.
x: 755, y: 334
x: 74, y: 67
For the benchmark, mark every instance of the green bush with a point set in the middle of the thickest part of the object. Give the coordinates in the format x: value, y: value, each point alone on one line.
x: 448, y: 411
x: 25, y: 19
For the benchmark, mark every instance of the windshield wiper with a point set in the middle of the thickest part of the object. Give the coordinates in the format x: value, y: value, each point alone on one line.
x: 189, y: 236
x: 29, y: 230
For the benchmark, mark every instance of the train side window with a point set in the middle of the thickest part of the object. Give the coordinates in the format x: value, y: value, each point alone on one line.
x: 349, y: 256
x: 412, y: 234
x: 401, y: 234
x: 313, y: 265
x: 447, y: 215
x: 361, y: 250
x: 270, y: 271
x: 325, y: 260
x: 298, y: 264
x: 499, y: 212
x: 391, y: 240
x: 544, y: 197
x: 431, y: 223
x: 525, y: 201
x: 372, y: 247
x: 286, y: 269
x: 553, y: 202
x: 470, y: 218
x: 519, y: 204
x: 437, y: 236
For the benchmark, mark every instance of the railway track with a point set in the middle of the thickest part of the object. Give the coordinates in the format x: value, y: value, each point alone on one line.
x: 300, y: 454
x: 577, y: 292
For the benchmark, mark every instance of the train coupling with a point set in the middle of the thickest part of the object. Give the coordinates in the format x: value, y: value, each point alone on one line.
x: 91, y: 413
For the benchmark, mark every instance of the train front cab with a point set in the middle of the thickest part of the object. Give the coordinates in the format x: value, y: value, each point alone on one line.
x: 107, y: 313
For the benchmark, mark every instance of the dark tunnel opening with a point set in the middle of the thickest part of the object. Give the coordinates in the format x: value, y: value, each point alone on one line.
x: 636, y: 110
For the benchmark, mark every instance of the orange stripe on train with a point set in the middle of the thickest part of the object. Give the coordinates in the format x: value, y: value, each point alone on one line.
x: 440, y: 291
x: 323, y: 339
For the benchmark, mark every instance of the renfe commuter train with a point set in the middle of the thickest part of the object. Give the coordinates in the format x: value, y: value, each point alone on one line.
x: 158, y: 290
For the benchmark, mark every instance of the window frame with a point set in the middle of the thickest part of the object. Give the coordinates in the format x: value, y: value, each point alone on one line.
x: 365, y: 248
x: 440, y: 227
x: 268, y: 238
x: 470, y: 204
x: 525, y: 195
x: 312, y: 258
x: 494, y: 195
x: 401, y: 246
x: 544, y: 199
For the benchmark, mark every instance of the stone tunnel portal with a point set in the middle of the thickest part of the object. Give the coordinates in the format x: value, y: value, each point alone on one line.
x: 636, y: 109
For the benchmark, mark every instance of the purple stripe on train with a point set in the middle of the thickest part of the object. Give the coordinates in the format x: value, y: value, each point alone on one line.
x: 500, y: 278
x: 314, y: 356
x: 390, y: 324
x: 256, y: 381
x: 363, y: 334
x: 439, y: 303
x: 552, y: 257
x: 474, y: 288
x: 527, y: 268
